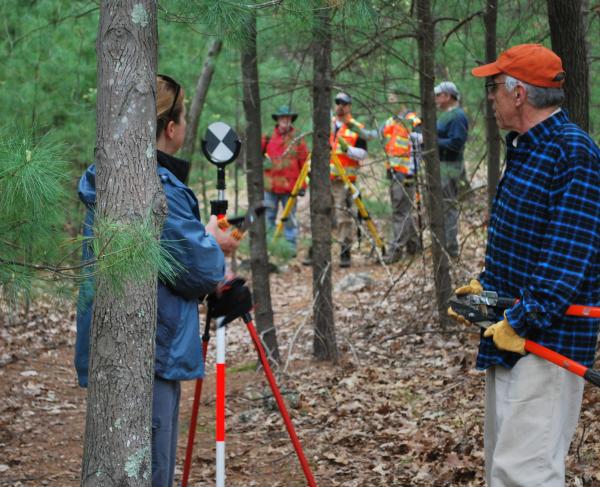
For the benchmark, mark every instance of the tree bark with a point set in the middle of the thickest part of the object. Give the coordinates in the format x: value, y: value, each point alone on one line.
x: 117, y: 450
x: 435, y: 208
x: 491, y: 127
x: 567, y: 31
x: 258, y: 238
x: 208, y: 69
x: 324, y: 341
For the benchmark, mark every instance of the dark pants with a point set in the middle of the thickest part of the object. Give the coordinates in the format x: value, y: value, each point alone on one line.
x: 165, y: 413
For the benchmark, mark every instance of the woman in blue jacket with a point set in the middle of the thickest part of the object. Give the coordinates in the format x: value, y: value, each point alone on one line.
x: 200, y: 252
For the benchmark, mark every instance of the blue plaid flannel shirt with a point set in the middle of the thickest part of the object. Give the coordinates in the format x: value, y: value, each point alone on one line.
x: 544, y: 240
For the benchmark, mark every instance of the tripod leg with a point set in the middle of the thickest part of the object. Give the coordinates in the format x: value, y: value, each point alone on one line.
x: 282, y: 409
x: 291, y: 200
x: 193, y: 420
x: 220, y: 405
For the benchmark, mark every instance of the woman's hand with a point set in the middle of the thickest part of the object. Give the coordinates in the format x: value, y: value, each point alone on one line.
x: 227, y: 243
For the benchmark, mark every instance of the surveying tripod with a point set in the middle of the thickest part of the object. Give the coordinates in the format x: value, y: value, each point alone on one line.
x: 233, y: 300
x: 352, y: 189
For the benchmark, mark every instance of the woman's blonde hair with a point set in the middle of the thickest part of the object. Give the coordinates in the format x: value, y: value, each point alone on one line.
x: 169, y: 102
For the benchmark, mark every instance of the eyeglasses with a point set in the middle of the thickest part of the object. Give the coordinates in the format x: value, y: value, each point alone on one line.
x: 177, y: 87
x: 339, y: 101
x: 490, y: 87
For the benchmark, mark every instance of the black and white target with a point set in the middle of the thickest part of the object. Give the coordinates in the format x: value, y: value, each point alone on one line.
x: 221, y: 144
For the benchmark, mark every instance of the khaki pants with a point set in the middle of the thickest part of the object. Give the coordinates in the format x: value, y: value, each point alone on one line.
x: 531, y: 412
x: 343, y: 220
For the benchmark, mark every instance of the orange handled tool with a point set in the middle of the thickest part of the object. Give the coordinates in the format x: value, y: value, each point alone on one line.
x: 486, y: 309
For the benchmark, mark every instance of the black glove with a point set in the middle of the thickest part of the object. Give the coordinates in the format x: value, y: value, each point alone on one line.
x: 302, y: 192
x: 233, y: 301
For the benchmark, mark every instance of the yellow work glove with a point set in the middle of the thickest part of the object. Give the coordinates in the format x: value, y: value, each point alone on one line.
x: 456, y: 317
x: 474, y: 287
x: 343, y: 145
x: 505, y: 337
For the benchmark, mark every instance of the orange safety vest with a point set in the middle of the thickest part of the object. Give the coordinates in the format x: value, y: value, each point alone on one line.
x: 350, y: 165
x: 397, y: 132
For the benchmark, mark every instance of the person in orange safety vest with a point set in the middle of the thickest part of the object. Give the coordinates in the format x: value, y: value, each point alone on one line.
x: 399, y: 136
x: 348, y: 142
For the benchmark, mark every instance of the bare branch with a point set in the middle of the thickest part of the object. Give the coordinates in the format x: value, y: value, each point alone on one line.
x: 464, y: 21
x: 271, y: 3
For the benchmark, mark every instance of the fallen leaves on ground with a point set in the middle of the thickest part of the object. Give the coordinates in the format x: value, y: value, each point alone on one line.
x: 403, y: 407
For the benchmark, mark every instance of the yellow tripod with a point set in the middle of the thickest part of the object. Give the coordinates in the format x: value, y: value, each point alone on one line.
x: 292, y: 199
x: 362, y: 210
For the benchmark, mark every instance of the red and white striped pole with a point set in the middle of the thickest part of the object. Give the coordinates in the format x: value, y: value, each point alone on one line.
x: 220, y: 411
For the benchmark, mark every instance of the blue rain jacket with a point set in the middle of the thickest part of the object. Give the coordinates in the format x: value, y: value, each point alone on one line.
x: 178, y: 348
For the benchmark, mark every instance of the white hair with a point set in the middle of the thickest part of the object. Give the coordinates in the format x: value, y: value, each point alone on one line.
x: 538, y: 96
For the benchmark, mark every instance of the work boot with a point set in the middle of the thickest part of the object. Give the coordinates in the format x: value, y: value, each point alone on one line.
x: 345, y: 260
x: 308, y: 257
x: 413, y: 247
x: 394, y: 256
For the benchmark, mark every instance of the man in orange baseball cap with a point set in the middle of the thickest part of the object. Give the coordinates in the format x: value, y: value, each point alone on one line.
x: 532, y: 63
x: 542, y: 249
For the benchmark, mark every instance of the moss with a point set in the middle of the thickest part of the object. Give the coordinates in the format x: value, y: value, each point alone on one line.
x: 139, y: 15
x: 136, y: 462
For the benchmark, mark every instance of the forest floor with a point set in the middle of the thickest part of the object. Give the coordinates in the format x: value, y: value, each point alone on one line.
x: 403, y: 407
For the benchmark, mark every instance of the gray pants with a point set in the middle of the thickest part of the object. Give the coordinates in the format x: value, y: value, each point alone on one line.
x: 165, y: 414
x: 451, y: 212
x: 402, y: 197
x: 531, y: 413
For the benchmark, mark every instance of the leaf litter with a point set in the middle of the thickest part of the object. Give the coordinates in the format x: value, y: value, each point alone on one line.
x: 403, y: 407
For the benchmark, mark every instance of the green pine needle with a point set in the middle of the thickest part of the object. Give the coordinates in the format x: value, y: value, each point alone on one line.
x: 130, y: 253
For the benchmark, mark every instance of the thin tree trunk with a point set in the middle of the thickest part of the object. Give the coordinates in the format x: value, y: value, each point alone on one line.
x: 567, y: 31
x: 193, y: 118
x: 324, y: 341
x: 435, y: 208
x: 491, y: 127
x: 258, y: 238
x: 117, y: 450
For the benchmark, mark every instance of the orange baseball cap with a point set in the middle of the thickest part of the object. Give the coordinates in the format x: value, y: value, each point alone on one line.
x: 531, y: 63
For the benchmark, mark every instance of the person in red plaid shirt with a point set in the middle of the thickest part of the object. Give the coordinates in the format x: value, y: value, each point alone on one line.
x: 285, y: 154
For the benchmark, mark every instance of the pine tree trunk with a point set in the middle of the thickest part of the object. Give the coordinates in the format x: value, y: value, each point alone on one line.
x: 259, y: 259
x: 491, y: 127
x: 435, y: 208
x: 324, y: 341
x: 117, y: 450
x: 208, y: 69
x: 567, y: 32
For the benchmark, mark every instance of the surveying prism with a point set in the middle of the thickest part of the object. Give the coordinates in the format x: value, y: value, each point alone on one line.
x: 221, y: 146
x: 232, y: 300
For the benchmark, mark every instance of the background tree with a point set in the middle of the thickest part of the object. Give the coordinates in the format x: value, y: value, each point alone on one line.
x: 193, y: 116
x: 117, y: 447
x: 567, y: 31
x: 435, y: 210
x: 199, y: 98
x: 491, y: 127
x: 324, y: 341
x: 259, y: 258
